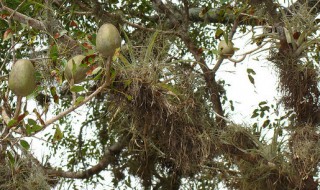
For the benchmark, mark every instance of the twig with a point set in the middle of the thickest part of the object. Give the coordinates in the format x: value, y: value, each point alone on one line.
x: 244, y: 55
x: 87, y: 99
x: 18, y: 107
x: 315, y: 5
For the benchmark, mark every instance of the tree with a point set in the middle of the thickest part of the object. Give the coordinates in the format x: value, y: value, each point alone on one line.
x: 155, y: 110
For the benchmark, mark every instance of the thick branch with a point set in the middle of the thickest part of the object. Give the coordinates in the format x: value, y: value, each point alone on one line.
x: 25, y: 19
x: 209, y: 77
x: 106, y: 159
x: 34, y: 23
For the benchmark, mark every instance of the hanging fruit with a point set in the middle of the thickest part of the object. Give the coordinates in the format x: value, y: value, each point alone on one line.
x: 22, y: 78
x: 108, y: 40
x: 75, y: 69
x: 226, y: 49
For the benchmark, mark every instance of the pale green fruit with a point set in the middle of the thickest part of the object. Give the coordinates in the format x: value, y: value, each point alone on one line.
x: 22, y: 78
x: 226, y: 49
x: 108, y: 40
x: 78, y: 74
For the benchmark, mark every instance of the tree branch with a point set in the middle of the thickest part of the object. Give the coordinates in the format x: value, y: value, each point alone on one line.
x: 106, y: 159
x: 209, y: 77
x: 34, y: 23
x: 24, y: 19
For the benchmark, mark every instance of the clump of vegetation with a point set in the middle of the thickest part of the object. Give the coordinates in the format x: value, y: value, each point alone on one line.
x: 298, y: 75
x: 166, y: 111
x: 21, y: 174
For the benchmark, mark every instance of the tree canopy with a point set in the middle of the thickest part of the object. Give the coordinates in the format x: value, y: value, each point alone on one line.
x: 153, y: 111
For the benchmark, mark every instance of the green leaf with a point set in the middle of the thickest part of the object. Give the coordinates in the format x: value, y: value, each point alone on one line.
x: 36, y: 128
x: 77, y: 88
x: 265, y: 108
x: 98, y: 76
x: 231, y: 105
x: 150, y: 46
x: 32, y: 122
x: 54, y: 53
x: 58, y: 135
x: 219, y: 33
x: 79, y: 100
x: 262, y: 103
x: 251, y: 79
x: 127, y: 83
x: 129, y: 97
x: 123, y: 59
x: 74, y: 67
x: 255, y: 114
x: 12, y: 123
x: 28, y: 130
x: 25, y: 144
x: 251, y: 71
x: 10, y: 157
x: 54, y: 94
x: 266, y: 123
x: 169, y: 88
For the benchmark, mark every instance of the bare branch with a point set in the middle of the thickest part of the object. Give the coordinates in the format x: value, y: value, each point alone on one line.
x: 106, y: 159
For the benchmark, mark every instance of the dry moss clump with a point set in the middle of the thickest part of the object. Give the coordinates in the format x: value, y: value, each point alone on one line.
x: 299, y: 85
x: 262, y: 176
x: 305, y: 148
x: 254, y: 161
x: 22, y: 174
x: 164, y: 105
x: 294, y: 42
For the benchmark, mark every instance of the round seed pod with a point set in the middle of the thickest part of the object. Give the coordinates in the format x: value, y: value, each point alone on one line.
x: 108, y: 40
x: 22, y: 78
x: 78, y: 74
x: 225, y: 49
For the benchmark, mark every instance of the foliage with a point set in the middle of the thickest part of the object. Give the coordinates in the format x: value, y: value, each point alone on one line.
x: 156, y: 113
